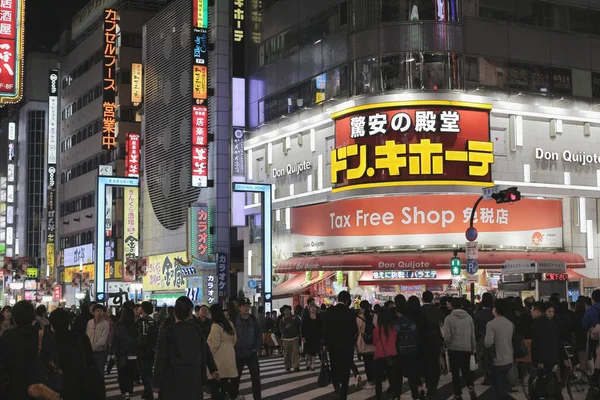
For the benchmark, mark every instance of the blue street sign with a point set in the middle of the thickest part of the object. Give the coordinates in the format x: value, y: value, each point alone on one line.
x: 471, y: 234
x: 252, y: 284
x: 472, y: 267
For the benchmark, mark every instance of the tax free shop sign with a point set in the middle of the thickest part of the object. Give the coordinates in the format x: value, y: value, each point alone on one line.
x: 424, y: 220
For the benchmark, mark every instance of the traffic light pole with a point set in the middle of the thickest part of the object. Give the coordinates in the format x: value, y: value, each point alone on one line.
x: 473, y: 211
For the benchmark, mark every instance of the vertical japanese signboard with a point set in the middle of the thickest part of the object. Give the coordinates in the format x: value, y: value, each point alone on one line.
x: 51, y: 169
x: 131, y: 233
x: 199, y: 239
x: 132, y: 155
x: 12, y: 35
x: 200, y: 127
x: 136, y: 83
x: 239, y: 158
x: 222, y: 275
x: 10, y: 189
x: 237, y: 47
x: 109, y: 134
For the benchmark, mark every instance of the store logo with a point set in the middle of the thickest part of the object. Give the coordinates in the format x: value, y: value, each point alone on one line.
x: 579, y: 157
x: 51, y: 177
x: 53, y: 86
x: 292, y: 169
x: 537, y: 238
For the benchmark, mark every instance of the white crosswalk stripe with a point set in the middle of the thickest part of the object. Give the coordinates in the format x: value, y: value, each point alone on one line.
x: 278, y: 384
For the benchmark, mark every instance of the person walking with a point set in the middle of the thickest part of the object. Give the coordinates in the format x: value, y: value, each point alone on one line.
x: 6, y: 321
x: 203, y: 321
x: 146, y: 345
x: 182, y: 357
x: 221, y: 342
x: 385, y: 354
x: 312, y: 333
x: 339, y: 333
x: 547, y: 352
x: 459, y: 336
x: 290, y: 333
x: 498, y: 335
x: 482, y: 317
x: 432, y: 336
x: 125, y: 348
x: 97, y: 331
x: 407, y: 347
x: 365, y: 341
x: 247, y: 346
x: 40, y: 320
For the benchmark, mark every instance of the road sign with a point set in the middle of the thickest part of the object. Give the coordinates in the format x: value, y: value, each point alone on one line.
x: 472, y: 278
x: 472, y: 267
x: 489, y: 191
x: 471, y: 234
x: 472, y: 250
x: 252, y: 284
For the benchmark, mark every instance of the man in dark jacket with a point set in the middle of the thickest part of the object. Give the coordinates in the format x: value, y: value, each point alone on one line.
x: 247, y: 346
x: 20, y: 365
x: 182, y: 357
x: 546, y: 344
x: 432, y: 335
x: 203, y: 321
x: 481, y: 319
x: 339, y: 333
x: 147, y: 338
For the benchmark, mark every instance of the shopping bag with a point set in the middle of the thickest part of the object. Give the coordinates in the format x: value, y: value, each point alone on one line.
x: 473, y: 364
x: 325, y: 373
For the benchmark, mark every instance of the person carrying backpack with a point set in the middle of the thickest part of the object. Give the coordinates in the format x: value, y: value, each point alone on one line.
x: 407, y: 349
x: 247, y: 346
x: 364, y: 342
x: 146, y: 345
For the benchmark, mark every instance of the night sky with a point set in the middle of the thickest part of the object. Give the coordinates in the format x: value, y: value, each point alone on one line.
x: 45, y: 19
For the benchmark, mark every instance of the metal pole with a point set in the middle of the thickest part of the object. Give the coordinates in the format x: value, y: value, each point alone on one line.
x: 472, y: 293
x: 475, y: 209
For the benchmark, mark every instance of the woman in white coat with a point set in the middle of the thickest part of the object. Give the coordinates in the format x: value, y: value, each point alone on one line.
x: 221, y: 341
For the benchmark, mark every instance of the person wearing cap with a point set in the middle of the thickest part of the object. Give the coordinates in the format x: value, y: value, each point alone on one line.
x: 247, y: 346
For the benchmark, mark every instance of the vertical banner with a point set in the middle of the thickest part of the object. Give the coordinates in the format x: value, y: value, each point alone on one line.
x: 199, y: 238
x: 131, y: 232
x: 222, y: 276
x: 51, y: 219
x: 238, y: 49
x: 136, y: 83
x: 239, y: 159
x: 200, y: 75
x: 12, y: 35
x: 51, y: 152
x: 132, y: 155
x: 109, y: 134
x: 9, y: 195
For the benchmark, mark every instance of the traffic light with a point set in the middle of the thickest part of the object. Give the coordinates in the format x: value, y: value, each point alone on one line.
x: 455, y: 266
x: 509, y: 195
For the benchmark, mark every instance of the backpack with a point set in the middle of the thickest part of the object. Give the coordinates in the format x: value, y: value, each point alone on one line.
x: 407, y: 340
x: 367, y: 335
x: 147, y: 335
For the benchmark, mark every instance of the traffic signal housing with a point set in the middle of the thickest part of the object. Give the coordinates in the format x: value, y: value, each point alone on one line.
x: 509, y: 195
x: 455, y: 266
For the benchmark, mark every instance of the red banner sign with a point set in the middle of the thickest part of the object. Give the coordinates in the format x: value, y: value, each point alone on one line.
x: 446, y: 144
x: 200, y: 125
x: 11, y: 49
x: 132, y: 157
x: 57, y: 293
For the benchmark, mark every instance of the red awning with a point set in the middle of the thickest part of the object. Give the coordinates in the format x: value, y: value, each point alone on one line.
x: 443, y: 278
x: 415, y: 260
x: 297, y: 284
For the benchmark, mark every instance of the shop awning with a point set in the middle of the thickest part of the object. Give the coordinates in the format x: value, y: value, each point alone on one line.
x: 443, y: 278
x: 416, y: 260
x: 298, y: 284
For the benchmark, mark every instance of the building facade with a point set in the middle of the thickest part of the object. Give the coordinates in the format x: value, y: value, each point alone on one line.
x: 378, y: 124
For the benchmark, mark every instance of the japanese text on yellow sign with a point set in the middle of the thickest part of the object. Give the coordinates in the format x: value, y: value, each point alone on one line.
x: 238, y: 20
x: 109, y: 72
x: 200, y: 82
x: 136, y: 83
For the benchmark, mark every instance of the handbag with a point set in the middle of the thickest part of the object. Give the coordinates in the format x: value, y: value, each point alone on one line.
x: 325, y: 373
x: 93, y: 381
x: 542, y: 386
x: 473, y: 364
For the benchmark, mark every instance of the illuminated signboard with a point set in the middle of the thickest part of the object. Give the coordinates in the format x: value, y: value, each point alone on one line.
x: 239, y: 157
x: 222, y: 275
x: 12, y: 131
x: 10, y: 193
x: 51, y: 171
x: 199, y: 218
x: 52, y: 115
x: 200, y: 13
x: 200, y: 81
x: 200, y: 46
x: 238, y: 49
x: 199, y: 166
x: 200, y: 125
x: 11, y: 172
x: 132, y: 155
x: 136, y: 83
x: 109, y: 135
x: 409, y: 274
x: 12, y: 35
x: 131, y: 214
x: 555, y: 277
x: 412, y: 143
x: 51, y: 217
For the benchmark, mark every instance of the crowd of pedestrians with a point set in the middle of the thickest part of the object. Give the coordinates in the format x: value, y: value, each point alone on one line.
x: 196, y: 350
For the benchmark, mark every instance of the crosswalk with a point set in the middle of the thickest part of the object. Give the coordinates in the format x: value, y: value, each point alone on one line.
x: 277, y: 384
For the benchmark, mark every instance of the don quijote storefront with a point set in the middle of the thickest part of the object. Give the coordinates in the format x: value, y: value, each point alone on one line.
x: 400, y: 179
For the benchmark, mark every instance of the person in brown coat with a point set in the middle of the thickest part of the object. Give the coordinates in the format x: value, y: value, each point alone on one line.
x: 221, y: 341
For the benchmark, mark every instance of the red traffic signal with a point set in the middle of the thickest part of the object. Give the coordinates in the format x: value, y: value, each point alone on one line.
x: 509, y: 195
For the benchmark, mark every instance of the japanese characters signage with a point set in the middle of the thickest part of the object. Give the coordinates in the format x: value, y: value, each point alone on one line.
x: 540, y: 78
x: 411, y: 145
x: 200, y: 13
x: 204, y: 287
x: 52, y: 115
x: 57, y: 293
x: 200, y: 81
x: 131, y: 232
x: 51, y: 218
x: 50, y: 251
x: 70, y: 273
x: 79, y: 254
x: 199, y: 223
x: 408, y: 274
x: 132, y: 155
x: 239, y: 157
x: 12, y: 28
x: 200, y: 166
x: 237, y: 47
x: 199, y: 126
x: 136, y: 83
x: 164, y: 273
x: 223, y: 274
x: 199, y: 46
x: 424, y: 220
x: 109, y: 134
